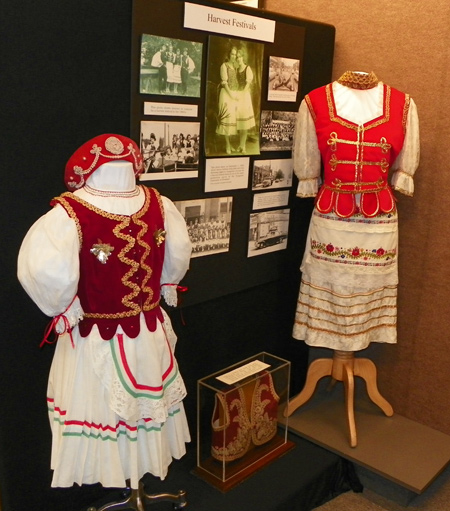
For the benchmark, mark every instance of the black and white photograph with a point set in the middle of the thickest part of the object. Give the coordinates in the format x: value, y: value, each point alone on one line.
x: 268, y: 232
x: 209, y: 224
x: 283, y: 79
x: 170, y: 149
x: 171, y: 67
x: 271, y: 174
x: 277, y: 130
x: 233, y: 97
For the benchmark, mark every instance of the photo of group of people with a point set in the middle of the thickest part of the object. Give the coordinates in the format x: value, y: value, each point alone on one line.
x: 283, y: 79
x: 233, y: 97
x: 208, y: 222
x: 277, y: 130
x: 170, y: 66
x: 170, y: 149
x: 234, y: 126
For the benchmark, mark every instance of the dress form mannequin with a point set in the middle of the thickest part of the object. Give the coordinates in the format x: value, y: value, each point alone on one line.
x: 98, y: 263
x: 111, y: 187
x: 360, y: 129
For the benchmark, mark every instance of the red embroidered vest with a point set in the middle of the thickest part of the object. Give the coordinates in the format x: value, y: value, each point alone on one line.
x: 121, y: 259
x: 356, y: 158
x: 244, y: 416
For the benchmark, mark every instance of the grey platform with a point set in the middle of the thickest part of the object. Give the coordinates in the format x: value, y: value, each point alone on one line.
x: 397, y: 449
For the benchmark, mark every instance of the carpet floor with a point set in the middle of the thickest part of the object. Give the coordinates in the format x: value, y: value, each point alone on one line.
x: 435, y: 498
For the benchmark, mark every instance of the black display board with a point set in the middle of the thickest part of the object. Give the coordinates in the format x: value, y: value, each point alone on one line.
x: 312, y: 43
x: 65, y: 79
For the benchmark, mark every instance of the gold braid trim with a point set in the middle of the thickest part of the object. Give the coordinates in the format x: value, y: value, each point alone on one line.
x: 127, y: 300
x: 158, y: 196
x: 118, y: 218
x: 340, y: 295
x: 311, y: 108
x: 381, y: 325
x: 105, y: 214
x: 334, y: 304
x: 368, y: 125
x: 405, y: 112
x: 119, y: 315
x: 146, y: 289
x: 71, y: 214
x: 346, y: 315
x: 336, y: 186
x: 123, y: 222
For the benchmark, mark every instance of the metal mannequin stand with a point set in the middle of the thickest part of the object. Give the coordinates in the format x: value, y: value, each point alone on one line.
x: 138, y: 500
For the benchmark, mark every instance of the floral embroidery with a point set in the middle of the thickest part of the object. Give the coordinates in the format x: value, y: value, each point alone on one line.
x: 354, y: 255
x: 240, y: 421
x: 240, y: 444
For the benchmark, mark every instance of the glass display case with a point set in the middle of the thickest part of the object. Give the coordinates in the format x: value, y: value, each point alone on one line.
x: 238, y: 431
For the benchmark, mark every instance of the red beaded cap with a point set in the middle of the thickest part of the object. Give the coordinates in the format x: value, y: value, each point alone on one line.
x: 97, y: 151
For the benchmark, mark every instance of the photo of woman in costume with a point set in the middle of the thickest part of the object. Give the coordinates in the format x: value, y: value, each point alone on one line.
x: 228, y: 96
x: 233, y: 97
x: 245, y: 118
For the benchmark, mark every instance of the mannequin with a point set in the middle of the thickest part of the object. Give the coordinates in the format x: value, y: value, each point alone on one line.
x: 363, y: 132
x: 97, y: 263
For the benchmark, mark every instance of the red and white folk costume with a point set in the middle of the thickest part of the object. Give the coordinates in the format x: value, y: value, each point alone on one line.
x: 96, y: 261
x: 364, y: 132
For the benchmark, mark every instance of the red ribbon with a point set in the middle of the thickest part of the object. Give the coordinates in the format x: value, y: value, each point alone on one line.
x: 52, y: 327
x: 181, y: 289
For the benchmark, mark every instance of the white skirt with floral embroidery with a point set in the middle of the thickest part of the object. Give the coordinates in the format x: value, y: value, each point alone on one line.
x: 348, y: 292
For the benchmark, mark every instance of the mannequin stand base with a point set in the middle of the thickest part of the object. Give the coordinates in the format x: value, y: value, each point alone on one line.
x: 138, y: 500
x: 342, y: 367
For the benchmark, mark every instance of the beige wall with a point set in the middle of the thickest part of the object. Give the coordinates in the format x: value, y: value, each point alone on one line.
x: 407, y: 45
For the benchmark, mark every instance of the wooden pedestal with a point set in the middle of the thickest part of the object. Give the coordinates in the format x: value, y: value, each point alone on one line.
x: 342, y: 367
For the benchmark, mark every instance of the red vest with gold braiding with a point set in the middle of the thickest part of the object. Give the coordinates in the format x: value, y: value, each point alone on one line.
x: 357, y: 158
x: 121, y: 259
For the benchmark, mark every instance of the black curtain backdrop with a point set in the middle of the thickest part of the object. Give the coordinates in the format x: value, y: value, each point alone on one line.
x: 65, y: 79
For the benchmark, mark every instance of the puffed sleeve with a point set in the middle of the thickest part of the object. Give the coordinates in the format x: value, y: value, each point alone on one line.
x: 177, y: 251
x: 305, y: 153
x: 223, y: 74
x: 407, y: 161
x: 48, y: 265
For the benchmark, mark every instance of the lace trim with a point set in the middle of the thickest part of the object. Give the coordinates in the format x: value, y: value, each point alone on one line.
x: 303, y: 195
x: 142, y: 407
x: 139, y: 405
x: 402, y: 191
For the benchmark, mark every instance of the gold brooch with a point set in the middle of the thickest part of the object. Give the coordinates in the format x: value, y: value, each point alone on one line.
x: 101, y: 251
x: 159, y: 236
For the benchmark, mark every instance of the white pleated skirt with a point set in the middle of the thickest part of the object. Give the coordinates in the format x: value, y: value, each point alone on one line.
x: 115, y: 407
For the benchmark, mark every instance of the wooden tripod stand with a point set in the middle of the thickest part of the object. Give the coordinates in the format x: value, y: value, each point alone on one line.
x: 342, y: 367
